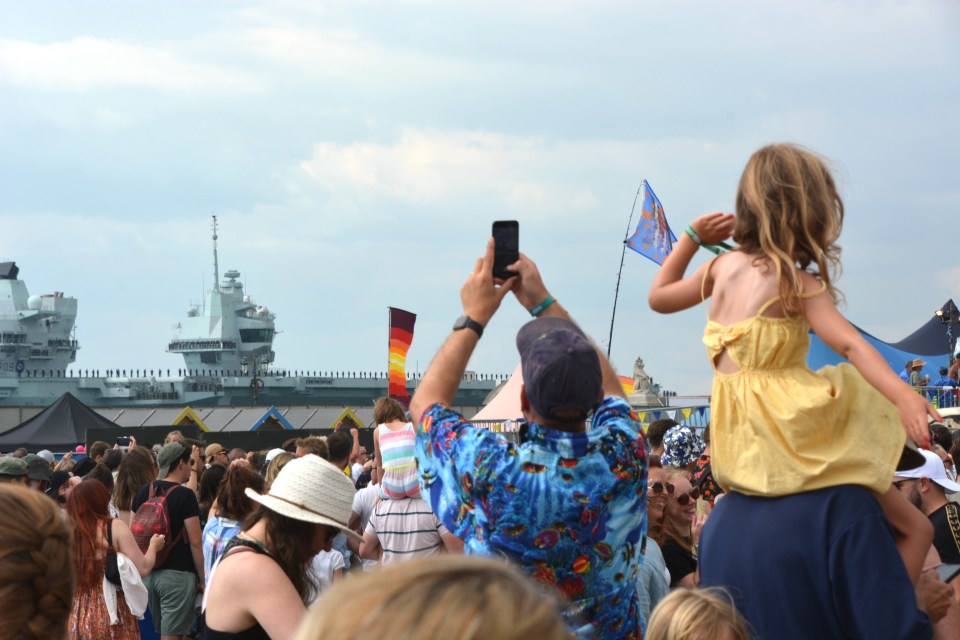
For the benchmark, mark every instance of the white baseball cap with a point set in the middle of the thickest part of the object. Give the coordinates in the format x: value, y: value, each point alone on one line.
x: 273, y: 453
x: 933, y: 469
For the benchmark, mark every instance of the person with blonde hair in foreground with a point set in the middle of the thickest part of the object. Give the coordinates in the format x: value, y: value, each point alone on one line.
x: 696, y: 614
x: 36, y: 577
x: 468, y: 598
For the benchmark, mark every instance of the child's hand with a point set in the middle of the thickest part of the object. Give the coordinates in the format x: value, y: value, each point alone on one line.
x: 714, y: 227
x: 914, y: 410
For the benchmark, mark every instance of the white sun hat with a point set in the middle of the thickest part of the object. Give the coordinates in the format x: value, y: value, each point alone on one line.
x: 311, y: 489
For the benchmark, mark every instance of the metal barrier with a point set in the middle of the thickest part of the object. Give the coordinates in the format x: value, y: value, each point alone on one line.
x: 941, y: 397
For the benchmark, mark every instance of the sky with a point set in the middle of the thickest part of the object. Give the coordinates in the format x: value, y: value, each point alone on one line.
x: 356, y: 154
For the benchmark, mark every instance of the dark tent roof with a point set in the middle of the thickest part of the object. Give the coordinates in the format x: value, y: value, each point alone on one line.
x: 931, y: 342
x: 59, y: 428
x: 931, y: 338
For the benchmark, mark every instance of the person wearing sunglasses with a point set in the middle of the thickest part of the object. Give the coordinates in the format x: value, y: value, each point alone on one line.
x: 680, y: 514
x: 653, y: 581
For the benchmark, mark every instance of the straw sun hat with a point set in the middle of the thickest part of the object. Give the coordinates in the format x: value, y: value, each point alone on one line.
x: 311, y: 489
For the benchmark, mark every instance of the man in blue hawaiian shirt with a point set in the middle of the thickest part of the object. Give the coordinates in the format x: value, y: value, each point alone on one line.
x: 569, y: 505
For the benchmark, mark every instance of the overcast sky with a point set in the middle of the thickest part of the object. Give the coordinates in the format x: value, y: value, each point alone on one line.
x: 356, y: 154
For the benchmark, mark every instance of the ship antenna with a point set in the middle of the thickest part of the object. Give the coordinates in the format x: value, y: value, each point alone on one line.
x: 216, y: 266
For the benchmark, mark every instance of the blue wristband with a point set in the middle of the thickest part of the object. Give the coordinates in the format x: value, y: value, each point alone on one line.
x: 540, y: 308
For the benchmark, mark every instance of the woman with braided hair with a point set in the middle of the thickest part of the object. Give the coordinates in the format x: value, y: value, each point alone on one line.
x: 36, y: 577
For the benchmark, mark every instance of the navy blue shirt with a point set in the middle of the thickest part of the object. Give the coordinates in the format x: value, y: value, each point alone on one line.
x: 820, y: 564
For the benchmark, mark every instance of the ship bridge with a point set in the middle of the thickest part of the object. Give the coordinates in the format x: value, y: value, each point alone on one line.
x: 228, y: 331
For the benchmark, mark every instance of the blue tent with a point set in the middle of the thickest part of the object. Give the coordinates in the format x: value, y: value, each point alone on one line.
x: 933, y: 342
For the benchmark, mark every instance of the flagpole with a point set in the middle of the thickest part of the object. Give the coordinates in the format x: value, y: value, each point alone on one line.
x: 389, y: 321
x: 616, y: 292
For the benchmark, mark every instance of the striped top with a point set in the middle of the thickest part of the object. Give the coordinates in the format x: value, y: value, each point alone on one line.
x: 399, y: 464
x: 406, y: 529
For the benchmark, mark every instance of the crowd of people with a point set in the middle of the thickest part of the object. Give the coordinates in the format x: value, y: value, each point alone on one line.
x: 805, y: 510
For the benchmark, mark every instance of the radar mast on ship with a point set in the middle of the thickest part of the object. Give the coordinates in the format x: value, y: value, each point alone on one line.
x: 230, y: 332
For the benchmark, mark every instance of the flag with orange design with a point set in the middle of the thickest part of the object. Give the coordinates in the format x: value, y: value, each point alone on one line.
x: 401, y: 337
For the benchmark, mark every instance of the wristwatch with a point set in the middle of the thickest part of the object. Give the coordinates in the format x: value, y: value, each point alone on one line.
x: 466, y: 322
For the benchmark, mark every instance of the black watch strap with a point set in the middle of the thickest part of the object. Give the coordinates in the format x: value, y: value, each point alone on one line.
x: 466, y: 322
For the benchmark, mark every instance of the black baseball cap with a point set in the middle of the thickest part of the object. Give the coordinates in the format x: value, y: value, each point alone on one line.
x: 561, y: 369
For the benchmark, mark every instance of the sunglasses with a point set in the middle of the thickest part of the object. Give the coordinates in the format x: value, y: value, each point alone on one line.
x: 683, y: 499
x: 900, y: 483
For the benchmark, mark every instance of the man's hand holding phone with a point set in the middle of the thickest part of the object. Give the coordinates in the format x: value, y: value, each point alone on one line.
x: 529, y: 288
x: 480, y: 294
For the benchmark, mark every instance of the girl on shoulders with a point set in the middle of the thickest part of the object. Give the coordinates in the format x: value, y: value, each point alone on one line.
x: 394, y: 442
x: 779, y: 428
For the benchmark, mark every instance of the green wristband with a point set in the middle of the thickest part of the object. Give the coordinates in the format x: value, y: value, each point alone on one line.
x: 693, y: 235
x: 540, y: 308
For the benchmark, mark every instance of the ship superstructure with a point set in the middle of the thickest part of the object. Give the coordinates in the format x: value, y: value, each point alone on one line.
x: 36, y: 332
x: 229, y: 333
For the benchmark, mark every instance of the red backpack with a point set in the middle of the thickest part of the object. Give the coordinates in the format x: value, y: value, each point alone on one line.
x: 151, y: 518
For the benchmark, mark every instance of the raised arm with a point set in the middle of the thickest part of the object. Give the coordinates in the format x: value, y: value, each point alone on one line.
x: 827, y: 322
x: 670, y: 291
x: 531, y: 292
x: 355, y: 450
x: 481, y: 298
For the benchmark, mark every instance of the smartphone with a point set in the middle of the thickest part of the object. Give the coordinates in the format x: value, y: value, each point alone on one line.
x: 948, y: 571
x: 506, y: 239
x: 123, y: 442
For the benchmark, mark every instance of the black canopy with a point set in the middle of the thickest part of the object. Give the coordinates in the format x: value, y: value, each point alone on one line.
x: 59, y: 428
x: 931, y: 338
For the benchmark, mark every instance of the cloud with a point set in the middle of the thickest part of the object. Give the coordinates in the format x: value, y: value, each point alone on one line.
x: 535, y: 175
x: 86, y: 63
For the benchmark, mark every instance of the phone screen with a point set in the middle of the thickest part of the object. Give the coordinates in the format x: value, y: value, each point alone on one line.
x: 123, y: 442
x: 948, y: 571
x: 506, y: 239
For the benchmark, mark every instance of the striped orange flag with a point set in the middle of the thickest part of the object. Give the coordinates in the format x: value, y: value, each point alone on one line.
x: 401, y: 337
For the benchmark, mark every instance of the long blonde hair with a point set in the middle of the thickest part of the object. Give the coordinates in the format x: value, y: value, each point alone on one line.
x: 273, y: 468
x: 789, y: 211
x: 447, y: 596
x: 696, y: 614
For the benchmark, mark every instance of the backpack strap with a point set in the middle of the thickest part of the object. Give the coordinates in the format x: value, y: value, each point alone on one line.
x: 183, y: 529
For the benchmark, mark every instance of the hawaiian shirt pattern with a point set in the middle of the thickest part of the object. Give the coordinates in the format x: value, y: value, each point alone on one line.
x: 568, y: 508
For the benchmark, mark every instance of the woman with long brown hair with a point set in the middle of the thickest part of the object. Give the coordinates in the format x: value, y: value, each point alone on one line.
x: 232, y: 506
x: 309, y: 503
x: 679, y: 540
x: 94, y: 533
x: 137, y: 468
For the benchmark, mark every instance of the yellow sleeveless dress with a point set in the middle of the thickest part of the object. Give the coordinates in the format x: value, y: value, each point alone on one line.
x: 778, y: 428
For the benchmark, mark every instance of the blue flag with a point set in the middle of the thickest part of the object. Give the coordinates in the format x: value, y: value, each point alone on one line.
x: 653, y: 238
